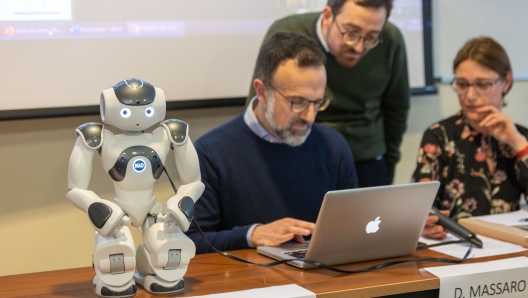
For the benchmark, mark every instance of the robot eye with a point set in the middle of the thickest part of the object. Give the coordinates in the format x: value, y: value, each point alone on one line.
x: 125, y: 113
x: 149, y: 112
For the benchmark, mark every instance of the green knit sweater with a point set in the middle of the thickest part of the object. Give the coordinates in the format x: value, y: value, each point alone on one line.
x: 371, y: 100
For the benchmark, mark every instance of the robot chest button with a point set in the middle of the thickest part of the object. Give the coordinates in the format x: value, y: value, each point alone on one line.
x: 118, y: 171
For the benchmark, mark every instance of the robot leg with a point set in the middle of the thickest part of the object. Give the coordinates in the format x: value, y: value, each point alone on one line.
x: 162, y: 259
x: 114, y: 263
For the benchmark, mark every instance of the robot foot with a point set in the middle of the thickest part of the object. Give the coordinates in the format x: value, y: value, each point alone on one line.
x: 155, y: 285
x: 103, y: 290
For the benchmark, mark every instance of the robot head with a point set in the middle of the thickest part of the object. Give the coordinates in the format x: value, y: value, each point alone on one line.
x: 132, y: 105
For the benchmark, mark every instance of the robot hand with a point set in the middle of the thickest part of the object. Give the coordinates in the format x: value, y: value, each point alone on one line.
x: 169, y: 222
x: 180, y: 208
x: 123, y: 222
x: 106, y: 217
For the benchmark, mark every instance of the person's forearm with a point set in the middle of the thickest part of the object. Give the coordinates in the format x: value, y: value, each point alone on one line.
x: 223, y: 240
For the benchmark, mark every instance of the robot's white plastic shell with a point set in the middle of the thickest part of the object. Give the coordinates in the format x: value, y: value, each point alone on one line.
x: 138, y: 212
x: 158, y: 245
x: 134, y: 191
x: 192, y: 190
x: 115, y: 144
x: 82, y: 199
x: 185, y: 155
x: 105, y: 246
x: 80, y: 166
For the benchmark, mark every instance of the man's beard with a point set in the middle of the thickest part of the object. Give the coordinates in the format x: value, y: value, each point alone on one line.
x: 288, y: 136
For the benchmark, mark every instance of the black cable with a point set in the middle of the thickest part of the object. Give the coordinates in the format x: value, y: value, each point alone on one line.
x: 424, y: 246
x: 320, y: 265
x: 170, y: 180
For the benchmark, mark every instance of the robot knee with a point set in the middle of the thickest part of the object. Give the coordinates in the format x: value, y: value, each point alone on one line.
x: 114, y: 259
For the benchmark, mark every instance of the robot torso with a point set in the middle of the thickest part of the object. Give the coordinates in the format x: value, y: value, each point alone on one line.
x: 134, y: 162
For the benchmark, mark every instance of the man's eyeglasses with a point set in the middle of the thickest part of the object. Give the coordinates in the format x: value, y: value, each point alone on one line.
x: 351, y: 38
x: 481, y: 87
x: 299, y: 104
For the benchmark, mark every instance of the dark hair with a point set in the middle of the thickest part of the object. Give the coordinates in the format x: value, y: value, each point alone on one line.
x: 486, y: 52
x: 284, y: 45
x: 336, y: 5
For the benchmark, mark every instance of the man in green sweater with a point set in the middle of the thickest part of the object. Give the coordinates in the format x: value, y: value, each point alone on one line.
x: 367, y: 79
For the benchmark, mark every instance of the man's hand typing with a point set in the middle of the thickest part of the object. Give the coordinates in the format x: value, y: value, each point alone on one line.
x: 280, y: 231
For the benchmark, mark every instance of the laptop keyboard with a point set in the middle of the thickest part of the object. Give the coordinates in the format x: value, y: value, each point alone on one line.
x: 297, y: 253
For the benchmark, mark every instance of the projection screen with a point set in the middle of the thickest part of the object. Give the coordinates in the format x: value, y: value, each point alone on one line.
x: 58, y: 55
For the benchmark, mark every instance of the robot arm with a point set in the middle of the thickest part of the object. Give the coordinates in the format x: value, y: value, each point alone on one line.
x: 184, y: 152
x: 106, y: 217
x: 89, y: 139
x: 181, y: 206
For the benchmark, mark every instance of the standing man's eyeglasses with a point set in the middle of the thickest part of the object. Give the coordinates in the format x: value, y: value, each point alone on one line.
x: 351, y: 38
x: 299, y: 104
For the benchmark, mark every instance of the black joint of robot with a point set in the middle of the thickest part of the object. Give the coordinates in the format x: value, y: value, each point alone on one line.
x: 160, y: 289
x: 91, y: 133
x: 187, y: 207
x: 99, y: 214
x: 106, y: 292
x: 177, y: 129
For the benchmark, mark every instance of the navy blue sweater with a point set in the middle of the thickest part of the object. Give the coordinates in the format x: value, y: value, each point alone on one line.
x: 249, y: 180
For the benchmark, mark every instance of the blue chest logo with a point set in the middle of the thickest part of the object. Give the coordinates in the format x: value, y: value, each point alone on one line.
x: 139, y: 165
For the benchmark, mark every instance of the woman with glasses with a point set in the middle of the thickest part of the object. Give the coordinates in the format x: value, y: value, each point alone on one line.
x: 479, y: 155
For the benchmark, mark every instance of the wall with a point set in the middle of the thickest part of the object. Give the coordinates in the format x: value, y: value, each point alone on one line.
x: 456, y: 21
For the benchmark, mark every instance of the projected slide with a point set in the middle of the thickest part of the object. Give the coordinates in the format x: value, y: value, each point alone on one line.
x: 60, y: 10
x: 70, y: 50
x: 407, y: 15
x: 35, y: 10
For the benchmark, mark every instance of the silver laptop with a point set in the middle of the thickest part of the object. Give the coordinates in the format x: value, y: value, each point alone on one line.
x: 363, y: 224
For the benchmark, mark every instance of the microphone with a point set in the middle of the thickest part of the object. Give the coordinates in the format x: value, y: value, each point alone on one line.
x: 456, y: 229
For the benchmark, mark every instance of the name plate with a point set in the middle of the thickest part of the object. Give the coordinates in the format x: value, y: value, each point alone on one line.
x: 506, y: 278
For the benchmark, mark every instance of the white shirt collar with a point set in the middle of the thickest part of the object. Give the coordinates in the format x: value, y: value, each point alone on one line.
x: 254, y: 125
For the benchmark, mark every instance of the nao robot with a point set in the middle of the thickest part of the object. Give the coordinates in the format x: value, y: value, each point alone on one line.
x: 134, y: 161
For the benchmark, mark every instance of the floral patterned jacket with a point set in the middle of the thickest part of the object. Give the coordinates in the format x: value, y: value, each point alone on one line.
x: 478, y: 175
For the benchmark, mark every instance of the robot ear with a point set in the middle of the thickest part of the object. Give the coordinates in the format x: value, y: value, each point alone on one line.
x: 109, y: 106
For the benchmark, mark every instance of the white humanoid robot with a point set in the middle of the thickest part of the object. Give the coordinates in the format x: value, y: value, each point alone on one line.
x: 134, y: 161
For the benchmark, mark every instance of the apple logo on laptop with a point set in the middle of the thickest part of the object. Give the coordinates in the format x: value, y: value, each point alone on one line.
x: 373, y: 226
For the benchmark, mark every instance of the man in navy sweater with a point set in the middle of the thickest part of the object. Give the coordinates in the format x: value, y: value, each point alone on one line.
x: 266, y: 171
